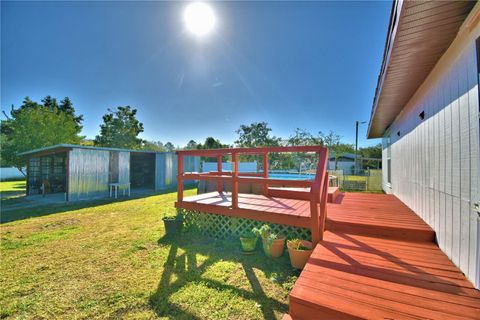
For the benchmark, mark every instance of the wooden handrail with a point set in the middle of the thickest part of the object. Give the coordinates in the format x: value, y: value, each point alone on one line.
x: 259, y: 180
x: 250, y: 151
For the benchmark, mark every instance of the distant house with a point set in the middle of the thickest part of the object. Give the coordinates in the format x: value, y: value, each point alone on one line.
x: 85, y: 172
x: 345, y: 162
x: 426, y: 109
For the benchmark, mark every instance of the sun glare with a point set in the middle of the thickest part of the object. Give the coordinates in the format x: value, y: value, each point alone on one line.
x: 199, y: 18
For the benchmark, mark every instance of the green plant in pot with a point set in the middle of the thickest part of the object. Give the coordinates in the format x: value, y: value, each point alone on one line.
x: 273, y: 243
x: 299, y: 252
x: 173, y: 222
x: 248, y: 240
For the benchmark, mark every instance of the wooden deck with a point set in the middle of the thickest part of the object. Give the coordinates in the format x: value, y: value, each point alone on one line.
x: 252, y: 206
x: 378, y: 261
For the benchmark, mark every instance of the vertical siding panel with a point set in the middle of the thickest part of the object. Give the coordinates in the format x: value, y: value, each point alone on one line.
x: 448, y: 165
x: 431, y: 152
x: 436, y: 175
x: 464, y: 165
x: 455, y: 168
x: 473, y: 100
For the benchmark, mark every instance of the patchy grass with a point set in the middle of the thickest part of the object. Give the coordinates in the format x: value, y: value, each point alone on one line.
x: 113, y: 260
x: 12, y: 189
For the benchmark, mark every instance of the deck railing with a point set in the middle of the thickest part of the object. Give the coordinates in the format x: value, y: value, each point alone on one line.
x: 318, y: 186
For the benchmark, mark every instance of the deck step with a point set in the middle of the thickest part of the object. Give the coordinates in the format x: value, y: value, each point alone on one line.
x: 359, y: 277
x: 300, y: 193
x: 376, y: 215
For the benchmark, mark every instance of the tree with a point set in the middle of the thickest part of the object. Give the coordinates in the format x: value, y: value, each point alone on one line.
x: 256, y: 134
x: 153, y: 146
x: 191, y: 145
x: 169, y: 147
x: 302, y: 137
x: 66, y: 107
x: 32, y: 128
x: 371, y: 152
x: 335, y: 145
x: 50, y: 103
x: 212, y: 143
x: 120, y: 129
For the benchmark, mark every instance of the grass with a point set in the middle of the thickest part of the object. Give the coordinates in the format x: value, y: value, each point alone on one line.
x: 12, y: 189
x: 107, y: 259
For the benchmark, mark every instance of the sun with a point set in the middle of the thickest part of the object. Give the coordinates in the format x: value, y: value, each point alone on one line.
x: 199, y: 18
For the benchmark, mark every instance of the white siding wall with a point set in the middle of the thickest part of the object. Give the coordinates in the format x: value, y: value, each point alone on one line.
x: 435, y: 162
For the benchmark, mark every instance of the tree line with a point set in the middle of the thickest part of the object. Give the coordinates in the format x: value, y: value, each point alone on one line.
x: 35, y: 125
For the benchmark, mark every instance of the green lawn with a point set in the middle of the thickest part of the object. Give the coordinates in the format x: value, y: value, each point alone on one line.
x: 106, y: 259
x: 12, y: 189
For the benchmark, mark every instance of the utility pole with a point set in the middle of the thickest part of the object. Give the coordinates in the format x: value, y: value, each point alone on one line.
x: 357, y: 123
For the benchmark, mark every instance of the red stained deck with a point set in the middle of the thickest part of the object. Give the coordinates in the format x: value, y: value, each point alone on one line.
x: 378, y: 260
x: 252, y: 206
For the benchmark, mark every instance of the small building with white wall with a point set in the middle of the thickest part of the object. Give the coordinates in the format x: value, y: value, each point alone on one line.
x: 426, y: 109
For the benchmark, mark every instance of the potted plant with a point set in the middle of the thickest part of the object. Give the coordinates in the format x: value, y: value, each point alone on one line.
x: 299, y: 251
x: 273, y: 243
x: 173, y: 223
x: 248, y: 240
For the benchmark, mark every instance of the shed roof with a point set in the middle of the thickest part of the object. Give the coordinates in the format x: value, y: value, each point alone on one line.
x: 58, y: 147
x: 418, y: 35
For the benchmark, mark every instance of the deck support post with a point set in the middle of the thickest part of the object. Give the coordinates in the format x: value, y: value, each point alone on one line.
x: 323, y: 207
x: 265, y: 173
x: 315, y: 229
x: 234, y: 180
x: 219, y: 170
x: 180, y: 178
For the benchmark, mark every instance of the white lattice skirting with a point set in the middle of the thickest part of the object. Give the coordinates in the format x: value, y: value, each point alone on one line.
x: 224, y: 227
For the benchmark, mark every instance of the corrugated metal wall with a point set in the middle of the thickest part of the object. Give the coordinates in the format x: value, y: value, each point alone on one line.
x: 124, y: 167
x: 88, y: 173
x: 166, y: 169
x: 435, y: 162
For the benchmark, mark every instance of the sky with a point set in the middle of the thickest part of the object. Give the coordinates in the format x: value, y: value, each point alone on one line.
x: 309, y: 65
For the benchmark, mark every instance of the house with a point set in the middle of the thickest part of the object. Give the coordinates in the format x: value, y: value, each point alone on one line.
x: 345, y: 162
x: 85, y: 172
x: 426, y: 110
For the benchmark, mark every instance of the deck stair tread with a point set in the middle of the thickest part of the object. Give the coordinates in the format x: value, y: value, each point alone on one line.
x: 378, y: 215
x: 360, y: 277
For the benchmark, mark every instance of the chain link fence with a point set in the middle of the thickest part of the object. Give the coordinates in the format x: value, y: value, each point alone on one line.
x: 367, y: 180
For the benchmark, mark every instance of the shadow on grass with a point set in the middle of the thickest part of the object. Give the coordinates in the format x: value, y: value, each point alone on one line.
x: 20, y: 208
x: 185, y: 269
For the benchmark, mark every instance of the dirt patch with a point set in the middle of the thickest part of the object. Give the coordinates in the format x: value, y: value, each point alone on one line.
x: 59, y: 224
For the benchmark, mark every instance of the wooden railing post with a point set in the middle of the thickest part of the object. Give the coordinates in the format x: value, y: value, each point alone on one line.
x: 219, y: 169
x: 234, y: 180
x: 180, y: 178
x: 265, y: 173
x: 315, y: 229
x: 323, y: 206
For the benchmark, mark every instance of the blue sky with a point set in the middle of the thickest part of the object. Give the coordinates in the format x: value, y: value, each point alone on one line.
x: 312, y: 65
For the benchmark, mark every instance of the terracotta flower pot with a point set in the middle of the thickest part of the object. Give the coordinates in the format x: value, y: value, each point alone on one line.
x: 298, y: 258
x: 275, y: 249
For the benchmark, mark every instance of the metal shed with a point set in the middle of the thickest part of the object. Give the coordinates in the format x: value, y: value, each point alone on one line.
x: 84, y: 172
